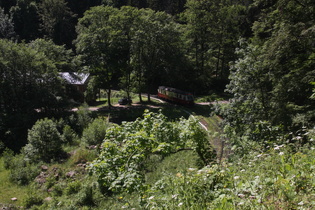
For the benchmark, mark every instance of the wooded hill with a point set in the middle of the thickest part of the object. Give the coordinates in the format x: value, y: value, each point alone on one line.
x: 261, y: 53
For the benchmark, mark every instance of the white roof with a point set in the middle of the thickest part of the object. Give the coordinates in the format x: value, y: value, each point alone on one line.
x: 75, y: 78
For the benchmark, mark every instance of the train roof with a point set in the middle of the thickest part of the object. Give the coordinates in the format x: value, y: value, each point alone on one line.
x: 175, y: 90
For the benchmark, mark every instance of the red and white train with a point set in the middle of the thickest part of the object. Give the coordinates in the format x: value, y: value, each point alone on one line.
x: 175, y: 95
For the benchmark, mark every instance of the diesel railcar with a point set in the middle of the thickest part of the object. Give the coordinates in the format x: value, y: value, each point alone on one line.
x: 176, y: 96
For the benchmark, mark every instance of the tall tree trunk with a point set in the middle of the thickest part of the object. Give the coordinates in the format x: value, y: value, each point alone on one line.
x: 108, y: 97
x: 140, y: 97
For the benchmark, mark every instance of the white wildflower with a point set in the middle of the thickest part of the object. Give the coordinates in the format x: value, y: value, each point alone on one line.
x: 174, y: 196
x: 180, y: 204
x: 240, y: 203
x: 236, y: 177
x: 276, y: 148
x: 241, y: 195
x: 150, y: 198
x: 281, y: 153
x: 301, y: 203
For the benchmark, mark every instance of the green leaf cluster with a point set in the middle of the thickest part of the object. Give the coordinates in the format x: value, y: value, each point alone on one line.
x: 120, y: 165
x: 44, y: 142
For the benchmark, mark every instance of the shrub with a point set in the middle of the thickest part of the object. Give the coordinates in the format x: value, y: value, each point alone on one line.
x: 21, y: 171
x: 73, y: 187
x: 84, y: 117
x: 69, y: 135
x: 85, y: 196
x: 44, y: 141
x: 58, y: 189
x: 32, y: 199
x: 95, y: 132
x: 7, y: 158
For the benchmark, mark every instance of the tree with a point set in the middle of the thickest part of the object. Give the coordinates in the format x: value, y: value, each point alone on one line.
x: 271, y: 82
x: 6, y: 5
x: 126, y: 20
x: 57, y: 21
x: 211, y: 32
x: 26, y: 20
x: 62, y: 57
x: 95, y: 132
x: 6, y: 26
x: 28, y: 82
x: 156, y: 47
x: 44, y: 142
x: 98, y: 42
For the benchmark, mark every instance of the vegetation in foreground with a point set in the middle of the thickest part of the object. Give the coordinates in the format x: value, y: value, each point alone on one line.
x: 134, y: 168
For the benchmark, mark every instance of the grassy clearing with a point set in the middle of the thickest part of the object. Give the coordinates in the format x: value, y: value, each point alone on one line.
x: 10, y: 190
x: 171, y: 165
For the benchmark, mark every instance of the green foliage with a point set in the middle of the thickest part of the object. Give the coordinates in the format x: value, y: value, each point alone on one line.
x: 85, y: 196
x: 57, y: 21
x: 134, y: 45
x: 7, y: 155
x: 81, y: 119
x: 211, y: 35
x: 73, y: 187
x: 44, y: 142
x: 32, y: 199
x: 24, y: 14
x: 279, y: 178
x: 69, y: 135
x: 62, y: 57
x: 29, y: 84
x: 271, y: 79
x: 95, y: 132
x: 6, y: 26
x: 158, y: 167
x: 91, y: 91
x: 119, y: 166
x: 22, y: 172
x: 83, y: 155
x: 58, y: 188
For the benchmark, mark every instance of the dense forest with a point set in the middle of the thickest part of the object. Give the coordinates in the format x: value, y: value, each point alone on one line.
x: 259, y: 54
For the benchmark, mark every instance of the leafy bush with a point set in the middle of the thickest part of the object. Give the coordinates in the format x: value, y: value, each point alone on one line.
x: 73, y: 187
x: 21, y: 171
x: 69, y: 135
x: 32, y: 199
x: 120, y: 166
x: 278, y: 178
x: 85, y: 197
x: 82, y: 118
x: 58, y: 189
x: 95, y: 132
x: 44, y: 141
x: 7, y: 155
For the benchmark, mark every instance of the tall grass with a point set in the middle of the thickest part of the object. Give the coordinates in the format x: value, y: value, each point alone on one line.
x: 10, y: 190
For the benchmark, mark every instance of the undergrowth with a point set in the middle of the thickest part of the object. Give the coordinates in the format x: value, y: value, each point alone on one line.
x: 253, y: 177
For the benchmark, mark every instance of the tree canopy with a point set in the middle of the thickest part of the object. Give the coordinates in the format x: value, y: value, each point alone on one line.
x: 263, y: 50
